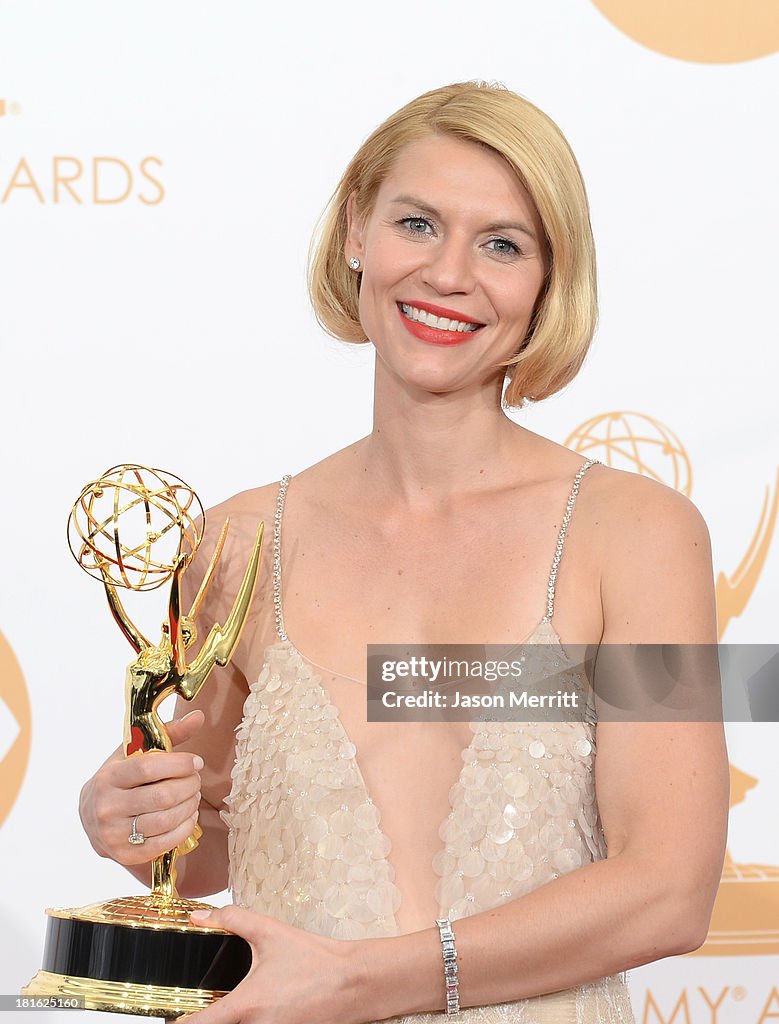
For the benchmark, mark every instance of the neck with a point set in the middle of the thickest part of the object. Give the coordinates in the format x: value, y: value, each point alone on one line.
x: 426, y: 447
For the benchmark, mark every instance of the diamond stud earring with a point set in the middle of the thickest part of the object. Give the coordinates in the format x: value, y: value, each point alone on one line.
x: 354, y: 263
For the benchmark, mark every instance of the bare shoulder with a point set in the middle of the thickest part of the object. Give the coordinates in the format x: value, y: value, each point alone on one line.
x: 653, y: 549
x: 257, y: 504
x: 630, y: 507
x: 242, y: 513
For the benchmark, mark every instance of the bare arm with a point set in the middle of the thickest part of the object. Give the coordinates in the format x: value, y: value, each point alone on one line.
x: 663, y: 796
x: 205, y: 869
x: 222, y: 656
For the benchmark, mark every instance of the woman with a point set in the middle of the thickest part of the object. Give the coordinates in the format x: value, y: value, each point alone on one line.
x: 458, y: 242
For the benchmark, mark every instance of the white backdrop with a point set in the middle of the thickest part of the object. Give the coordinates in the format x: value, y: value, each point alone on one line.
x: 176, y: 332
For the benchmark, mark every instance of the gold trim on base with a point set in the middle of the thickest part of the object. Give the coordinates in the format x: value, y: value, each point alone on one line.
x: 159, y: 913
x: 122, y: 997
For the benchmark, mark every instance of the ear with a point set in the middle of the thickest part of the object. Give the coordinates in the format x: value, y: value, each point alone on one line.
x: 355, y: 229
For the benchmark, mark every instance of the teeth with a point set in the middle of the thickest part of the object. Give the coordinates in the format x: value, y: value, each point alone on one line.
x: 440, y: 323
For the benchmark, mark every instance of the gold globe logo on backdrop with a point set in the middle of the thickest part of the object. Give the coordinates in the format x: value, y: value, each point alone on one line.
x: 97, y: 180
x: 746, y: 911
x: 702, y: 31
x: 14, y: 728
x: 637, y: 443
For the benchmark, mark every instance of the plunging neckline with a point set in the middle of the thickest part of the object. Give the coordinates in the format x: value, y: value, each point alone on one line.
x: 316, y: 679
x: 465, y: 753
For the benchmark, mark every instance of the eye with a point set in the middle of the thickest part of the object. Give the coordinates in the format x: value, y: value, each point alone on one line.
x: 506, y: 247
x: 415, y: 225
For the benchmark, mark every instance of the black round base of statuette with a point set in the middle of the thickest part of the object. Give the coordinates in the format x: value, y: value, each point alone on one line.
x: 154, y: 970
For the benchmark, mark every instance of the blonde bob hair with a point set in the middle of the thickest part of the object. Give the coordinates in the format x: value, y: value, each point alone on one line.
x: 563, y: 322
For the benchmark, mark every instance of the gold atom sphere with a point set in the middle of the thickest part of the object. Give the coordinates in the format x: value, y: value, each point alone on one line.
x: 161, y: 518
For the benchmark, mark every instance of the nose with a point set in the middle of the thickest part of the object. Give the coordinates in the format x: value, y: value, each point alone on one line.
x: 448, y: 266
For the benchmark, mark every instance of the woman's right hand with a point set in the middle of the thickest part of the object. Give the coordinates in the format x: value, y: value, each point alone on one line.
x: 159, y: 789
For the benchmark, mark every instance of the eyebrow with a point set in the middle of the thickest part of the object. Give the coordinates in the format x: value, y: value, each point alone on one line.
x: 504, y: 226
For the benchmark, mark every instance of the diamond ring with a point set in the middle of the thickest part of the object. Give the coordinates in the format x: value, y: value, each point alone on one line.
x: 136, y: 837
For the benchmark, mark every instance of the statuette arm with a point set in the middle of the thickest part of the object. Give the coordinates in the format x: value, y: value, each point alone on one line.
x: 137, y: 640
x: 174, y: 617
x: 222, y: 640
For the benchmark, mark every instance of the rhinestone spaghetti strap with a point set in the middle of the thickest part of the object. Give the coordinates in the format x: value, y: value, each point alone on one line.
x: 278, y: 603
x: 278, y: 612
x: 562, y: 535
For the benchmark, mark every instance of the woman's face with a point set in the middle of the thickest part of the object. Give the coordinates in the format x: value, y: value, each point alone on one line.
x: 453, y: 236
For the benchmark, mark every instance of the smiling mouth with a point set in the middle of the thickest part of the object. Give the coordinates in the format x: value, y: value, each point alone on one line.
x: 437, y: 323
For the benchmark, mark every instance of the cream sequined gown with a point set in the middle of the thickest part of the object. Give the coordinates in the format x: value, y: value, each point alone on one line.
x: 305, y: 838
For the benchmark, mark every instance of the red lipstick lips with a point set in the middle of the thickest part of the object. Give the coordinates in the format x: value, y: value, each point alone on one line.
x: 432, y: 335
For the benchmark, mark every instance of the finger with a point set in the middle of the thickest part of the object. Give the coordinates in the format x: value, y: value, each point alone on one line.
x: 232, y: 919
x: 114, y: 808
x: 158, y: 796
x: 153, y: 766
x: 181, y: 729
x: 159, y: 823
x: 155, y: 846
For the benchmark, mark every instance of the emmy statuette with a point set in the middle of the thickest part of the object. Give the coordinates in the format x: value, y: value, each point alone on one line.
x: 141, y: 954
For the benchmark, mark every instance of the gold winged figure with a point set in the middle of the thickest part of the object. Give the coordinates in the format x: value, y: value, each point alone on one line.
x: 161, y: 670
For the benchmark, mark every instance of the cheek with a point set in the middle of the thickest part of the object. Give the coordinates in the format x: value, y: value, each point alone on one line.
x: 386, y: 266
x: 389, y: 260
x: 519, y: 302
